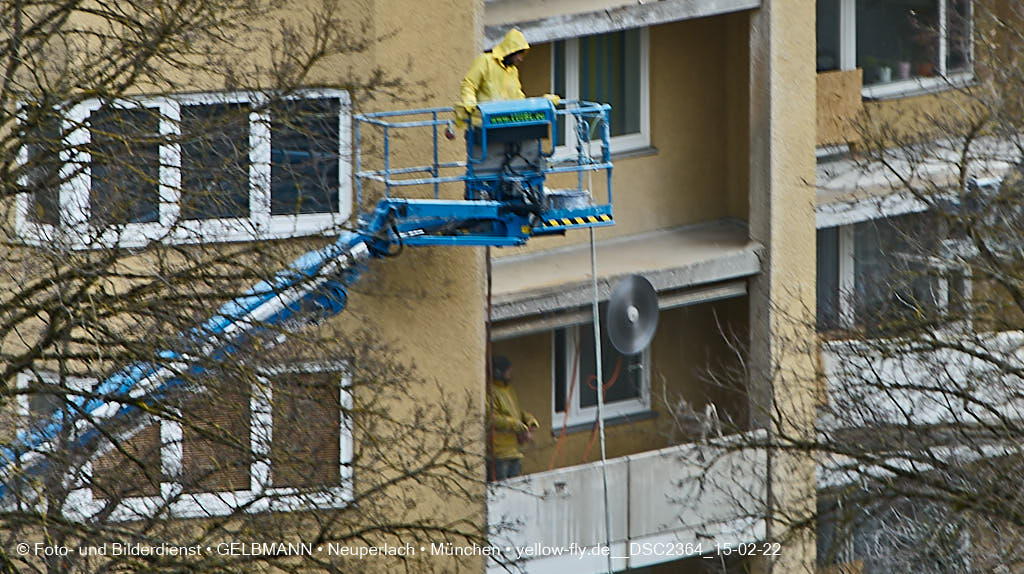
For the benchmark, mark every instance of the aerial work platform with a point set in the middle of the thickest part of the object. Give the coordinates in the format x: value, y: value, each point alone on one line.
x: 511, y: 152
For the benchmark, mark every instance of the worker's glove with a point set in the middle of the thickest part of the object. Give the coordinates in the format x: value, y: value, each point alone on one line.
x: 555, y: 100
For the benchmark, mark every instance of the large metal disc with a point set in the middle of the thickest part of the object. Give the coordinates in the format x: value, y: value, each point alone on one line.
x: 632, y: 315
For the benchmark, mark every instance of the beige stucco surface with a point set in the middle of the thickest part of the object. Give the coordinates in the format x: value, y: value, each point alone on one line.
x: 782, y: 170
x: 839, y: 103
x: 428, y: 302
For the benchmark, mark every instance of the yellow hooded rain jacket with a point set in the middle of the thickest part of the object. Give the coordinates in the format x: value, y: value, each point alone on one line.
x: 507, y: 420
x: 488, y: 79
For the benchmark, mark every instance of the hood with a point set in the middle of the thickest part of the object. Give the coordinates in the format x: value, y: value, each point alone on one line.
x: 513, y: 42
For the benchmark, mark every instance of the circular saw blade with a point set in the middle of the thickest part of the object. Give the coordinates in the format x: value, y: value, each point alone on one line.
x: 632, y: 315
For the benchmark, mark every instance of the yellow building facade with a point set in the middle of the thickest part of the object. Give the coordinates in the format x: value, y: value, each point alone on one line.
x: 714, y: 133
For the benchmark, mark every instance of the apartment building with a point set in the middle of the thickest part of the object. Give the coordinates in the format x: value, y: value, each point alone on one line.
x: 898, y: 85
x: 712, y: 140
x: 713, y: 137
x: 916, y: 205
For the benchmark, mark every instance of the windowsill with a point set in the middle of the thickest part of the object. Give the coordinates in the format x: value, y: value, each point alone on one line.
x: 135, y: 235
x: 831, y: 152
x: 636, y: 152
x: 563, y: 154
x: 613, y: 421
x: 916, y: 87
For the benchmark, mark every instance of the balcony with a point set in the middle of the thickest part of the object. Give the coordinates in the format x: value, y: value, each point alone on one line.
x: 935, y: 381
x: 665, y: 505
x: 547, y: 21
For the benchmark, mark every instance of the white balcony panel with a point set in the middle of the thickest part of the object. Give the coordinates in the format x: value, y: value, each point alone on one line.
x: 689, y: 497
x: 944, y: 379
x: 560, y: 507
x: 697, y: 490
x: 851, y: 190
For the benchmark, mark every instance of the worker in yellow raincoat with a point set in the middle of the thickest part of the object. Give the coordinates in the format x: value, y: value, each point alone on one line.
x: 510, y: 425
x: 493, y: 76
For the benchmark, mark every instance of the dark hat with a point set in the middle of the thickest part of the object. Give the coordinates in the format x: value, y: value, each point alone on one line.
x: 500, y: 364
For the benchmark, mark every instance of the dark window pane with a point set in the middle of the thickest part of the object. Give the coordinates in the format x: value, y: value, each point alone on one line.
x: 622, y: 373
x: 828, y: 35
x: 43, y: 143
x: 131, y: 470
x: 561, y: 372
x: 958, y: 35
x: 214, y: 161
x: 559, y: 87
x: 893, y: 284
x: 876, y: 244
x: 304, y: 142
x: 610, y: 73
x: 897, y: 40
x: 305, y: 448
x: 125, y: 166
x: 828, y: 278
x: 216, y: 443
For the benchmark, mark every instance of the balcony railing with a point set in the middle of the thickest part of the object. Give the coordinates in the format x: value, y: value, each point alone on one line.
x: 665, y: 505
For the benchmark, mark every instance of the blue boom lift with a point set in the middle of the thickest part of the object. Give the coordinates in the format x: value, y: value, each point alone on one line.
x: 506, y: 202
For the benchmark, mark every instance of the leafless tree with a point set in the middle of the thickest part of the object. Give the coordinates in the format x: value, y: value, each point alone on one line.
x: 126, y: 178
x: 919, y: 377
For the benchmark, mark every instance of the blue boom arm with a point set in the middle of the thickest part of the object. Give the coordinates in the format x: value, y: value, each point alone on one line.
x: 506, y: 204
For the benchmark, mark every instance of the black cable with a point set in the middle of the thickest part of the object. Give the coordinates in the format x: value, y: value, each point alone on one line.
x: 398, y: 240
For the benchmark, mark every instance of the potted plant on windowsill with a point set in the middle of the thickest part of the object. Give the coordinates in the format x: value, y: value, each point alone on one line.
x: 903, y: 66
x: 879, y: 71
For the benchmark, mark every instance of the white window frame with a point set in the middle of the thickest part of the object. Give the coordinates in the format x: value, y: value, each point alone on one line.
x: 585, y: 415
x: 261, y: 496
x: 260, y: 224
x: 848, y: 56
x: 619, y: 144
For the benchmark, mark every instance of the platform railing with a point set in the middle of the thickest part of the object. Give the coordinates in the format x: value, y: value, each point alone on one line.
x: 440, y: 120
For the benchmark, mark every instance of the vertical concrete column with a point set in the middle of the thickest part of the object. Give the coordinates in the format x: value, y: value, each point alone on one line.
x: 782, y: 297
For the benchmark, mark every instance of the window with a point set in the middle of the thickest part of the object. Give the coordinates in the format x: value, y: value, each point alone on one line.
x: 43, y: 172
x: 865, y: 530
x: 209, y: 167
x: 215, y: 163
x: 216, y: 447
x: 901, y: 45
x: 877, y: 273
x: 627, y: 383
x: 304, y: 450
x: 283, y: 436
x: 828, y: 33
x: 608, y: 68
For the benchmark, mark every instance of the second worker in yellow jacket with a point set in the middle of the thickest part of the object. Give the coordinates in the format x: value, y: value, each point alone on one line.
x: 510, y: 424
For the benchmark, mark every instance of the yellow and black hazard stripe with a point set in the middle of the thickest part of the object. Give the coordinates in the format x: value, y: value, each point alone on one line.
x: 567, y: 221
